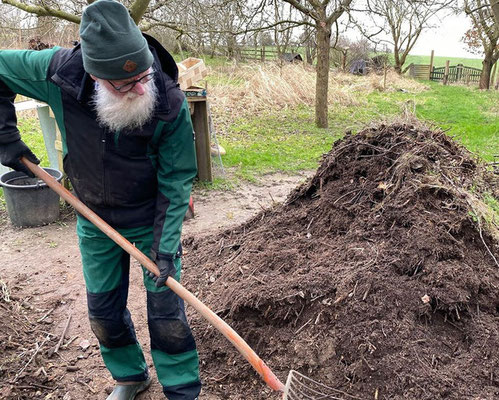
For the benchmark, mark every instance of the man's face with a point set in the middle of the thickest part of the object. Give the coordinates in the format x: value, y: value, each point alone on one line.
x: 121, y: 109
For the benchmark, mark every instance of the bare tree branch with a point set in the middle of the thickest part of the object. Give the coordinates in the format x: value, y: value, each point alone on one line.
x: 309, y: 12
x: 403, y: 20
x: 44, y: 11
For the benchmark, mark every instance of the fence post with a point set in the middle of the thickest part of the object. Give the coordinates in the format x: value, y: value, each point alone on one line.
x: 431, y: 64
x: 384, y: 75
x: 459, y: 72
x: 446, y: 72
x: 344, y: 59
x: 493, y: 75
x: 262, y: 54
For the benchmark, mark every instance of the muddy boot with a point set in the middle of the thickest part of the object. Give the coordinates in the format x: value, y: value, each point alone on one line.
x: 129, y: 391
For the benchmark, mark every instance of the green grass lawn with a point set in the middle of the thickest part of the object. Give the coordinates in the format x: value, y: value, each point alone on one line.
x: 272, y: 142
x: 31, y: 135
x: 438, y: 61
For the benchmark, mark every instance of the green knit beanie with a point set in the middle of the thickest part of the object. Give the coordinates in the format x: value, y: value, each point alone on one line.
x: 112, y: 45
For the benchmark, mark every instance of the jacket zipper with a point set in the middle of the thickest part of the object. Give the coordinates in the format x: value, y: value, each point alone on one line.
x: 103, y: 158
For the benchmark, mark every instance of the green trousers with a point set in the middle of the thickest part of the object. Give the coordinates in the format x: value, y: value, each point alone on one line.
x: 106, y: 271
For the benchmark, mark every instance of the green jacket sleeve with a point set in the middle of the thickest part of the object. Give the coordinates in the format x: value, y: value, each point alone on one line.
x: 21, y: 72
x: 176, y: 164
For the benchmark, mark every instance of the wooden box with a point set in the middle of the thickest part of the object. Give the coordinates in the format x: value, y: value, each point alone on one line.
x: 190, y: 71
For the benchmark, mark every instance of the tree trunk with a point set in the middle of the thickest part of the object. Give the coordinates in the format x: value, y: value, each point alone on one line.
x: 486, y: 71
x: 322, y: 82
x: 308, y: 53
x: 398, y: 65
x: 137, y: 9
x: 231, y: 46
x: 309, y: 44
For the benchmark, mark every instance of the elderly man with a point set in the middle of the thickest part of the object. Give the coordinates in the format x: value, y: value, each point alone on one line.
x: 129, y: 153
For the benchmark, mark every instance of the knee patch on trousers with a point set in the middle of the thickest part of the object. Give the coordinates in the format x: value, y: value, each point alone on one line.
x: 168, y: 325
x: 172, y: 336
x: 111, y: 334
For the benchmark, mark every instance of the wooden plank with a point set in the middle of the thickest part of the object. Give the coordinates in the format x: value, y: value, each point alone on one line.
x: 431, y: 63
x: 446, y: 73
x: 202, y: 135
x: 58, y: 146
x: 493, y: 75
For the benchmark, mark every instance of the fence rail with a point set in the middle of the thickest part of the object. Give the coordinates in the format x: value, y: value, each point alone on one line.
x: 457, y: 73
x: 257, y: 54
x: 261, y: 54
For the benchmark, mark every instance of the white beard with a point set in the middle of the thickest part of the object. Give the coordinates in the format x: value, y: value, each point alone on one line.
x: 130, y: 111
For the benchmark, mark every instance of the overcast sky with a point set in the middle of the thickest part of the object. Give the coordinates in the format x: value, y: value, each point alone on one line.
x: 446, y: 39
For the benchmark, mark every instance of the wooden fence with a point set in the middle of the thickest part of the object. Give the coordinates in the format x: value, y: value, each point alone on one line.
x: 257, y: 54
x: 419, y: 71
x: 262, y: 54
x: 456, y: 74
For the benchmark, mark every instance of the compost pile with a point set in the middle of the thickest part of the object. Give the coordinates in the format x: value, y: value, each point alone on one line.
x: 379, y: 276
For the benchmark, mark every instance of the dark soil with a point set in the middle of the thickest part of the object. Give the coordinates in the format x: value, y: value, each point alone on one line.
x: 378, y: 277
x: 24, y: 181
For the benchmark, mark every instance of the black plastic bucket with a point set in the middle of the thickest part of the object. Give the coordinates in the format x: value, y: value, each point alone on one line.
x: 30, y: 202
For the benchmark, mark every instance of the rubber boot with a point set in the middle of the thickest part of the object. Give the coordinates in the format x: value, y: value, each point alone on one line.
x: 128, y: 392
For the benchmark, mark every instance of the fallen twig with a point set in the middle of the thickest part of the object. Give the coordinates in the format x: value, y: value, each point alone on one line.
x: 81, y: 382
x: 303, y: 326
x: 35, y: 386
x: 46, y: 315
x: 70, y: 341
x: 61, y: 339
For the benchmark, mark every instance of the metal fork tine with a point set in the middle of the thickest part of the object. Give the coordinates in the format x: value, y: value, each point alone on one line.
x: 295, y: 393
x: 301, y: 387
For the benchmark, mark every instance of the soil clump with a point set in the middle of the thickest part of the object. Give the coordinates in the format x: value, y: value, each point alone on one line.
x: 379, y: 276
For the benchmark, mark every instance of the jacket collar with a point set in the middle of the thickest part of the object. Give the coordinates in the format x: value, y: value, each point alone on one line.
x: 72, y: 78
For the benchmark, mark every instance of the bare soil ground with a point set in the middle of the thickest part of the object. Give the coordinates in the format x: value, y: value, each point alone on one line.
x: 41, y: 287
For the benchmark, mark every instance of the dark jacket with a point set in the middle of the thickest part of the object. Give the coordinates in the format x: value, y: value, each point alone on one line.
x: 131, y: 178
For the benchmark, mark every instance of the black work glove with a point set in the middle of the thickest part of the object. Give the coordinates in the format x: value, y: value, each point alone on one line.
x: 10, y: 154
x: 166, y: 268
